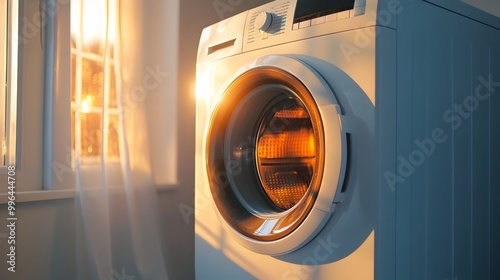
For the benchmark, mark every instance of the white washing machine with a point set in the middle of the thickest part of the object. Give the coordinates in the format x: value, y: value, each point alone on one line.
x: 295, y: 135
x: 285, y: 151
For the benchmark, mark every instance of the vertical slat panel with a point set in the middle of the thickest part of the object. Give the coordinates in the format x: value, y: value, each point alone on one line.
x: 386, y: 115
x: 454, y: 197
x: 461, y: 129
x: 436, y: 148
x: 418, y: 231
x: 479, y: 113
x: 494, y: 191
x: 410, y: 41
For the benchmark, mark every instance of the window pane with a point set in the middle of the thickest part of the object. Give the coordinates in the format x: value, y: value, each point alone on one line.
x: 113, y: 148
x: 3, y: 69
x: 92, y: 81
x: 89, y: 66
x: 8, y: 80
x: 73, y: 129
x: 73, y: 78
x: 112, y: 89
x: 91, y: 134
x: 94, y: 23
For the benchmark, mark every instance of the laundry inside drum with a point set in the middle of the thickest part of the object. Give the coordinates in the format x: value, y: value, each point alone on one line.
x: 286, y: 153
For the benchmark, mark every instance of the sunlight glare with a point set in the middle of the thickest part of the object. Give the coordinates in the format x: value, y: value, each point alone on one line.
x: 94, y: 20
x: 86, y: 104
x: 203, y: 87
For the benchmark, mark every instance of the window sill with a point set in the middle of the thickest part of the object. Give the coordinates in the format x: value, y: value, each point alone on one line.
x: 166, y: 188
x: 39, y: 196
x: 32, y: 196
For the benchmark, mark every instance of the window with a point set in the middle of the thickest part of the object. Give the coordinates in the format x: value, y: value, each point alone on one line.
x: 8, y: 76
x: 22, y: 75
x: 93, y: 91
x: 69, y: 50
x: 44, y: 122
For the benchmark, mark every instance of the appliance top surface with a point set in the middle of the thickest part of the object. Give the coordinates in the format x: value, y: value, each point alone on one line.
x: 283, y: 21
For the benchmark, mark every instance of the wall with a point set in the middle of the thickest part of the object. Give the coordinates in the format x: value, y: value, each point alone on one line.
x: 492, y: 7
x: 194, y: 16
x: 45, y: 241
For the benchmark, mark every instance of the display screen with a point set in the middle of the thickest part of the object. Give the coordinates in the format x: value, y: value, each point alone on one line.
x: 309, y: 9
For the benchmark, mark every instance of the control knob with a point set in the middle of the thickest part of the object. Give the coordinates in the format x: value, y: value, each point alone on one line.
x: 263, y: 21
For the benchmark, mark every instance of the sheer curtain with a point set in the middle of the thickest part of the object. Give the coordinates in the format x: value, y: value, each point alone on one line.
x: 117, y: 225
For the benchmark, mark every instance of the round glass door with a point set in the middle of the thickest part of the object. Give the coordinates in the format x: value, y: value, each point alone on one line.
x: 265, y: 155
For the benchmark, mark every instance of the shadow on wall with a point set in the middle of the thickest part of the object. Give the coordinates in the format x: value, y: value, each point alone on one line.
x: 223, y: 263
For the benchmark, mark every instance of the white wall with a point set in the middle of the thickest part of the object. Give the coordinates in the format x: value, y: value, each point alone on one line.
x: 492, y: 7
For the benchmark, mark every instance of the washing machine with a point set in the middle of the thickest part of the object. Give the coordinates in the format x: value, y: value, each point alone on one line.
x: 286, y: 158
x: 322, y: 141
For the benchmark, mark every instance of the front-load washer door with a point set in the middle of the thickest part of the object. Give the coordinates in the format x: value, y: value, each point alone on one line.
x: 276, y: 155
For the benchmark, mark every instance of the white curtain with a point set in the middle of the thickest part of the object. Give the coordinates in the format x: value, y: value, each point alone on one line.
x: 118, y: 236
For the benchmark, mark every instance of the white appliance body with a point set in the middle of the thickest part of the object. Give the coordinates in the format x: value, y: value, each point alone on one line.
x: 352, y: 73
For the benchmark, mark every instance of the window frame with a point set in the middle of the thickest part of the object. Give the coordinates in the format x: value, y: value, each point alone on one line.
x: 62, y: 175
x: 36, y: 166
x: 3, y: 75
x: 8, y: 73
x: 80, y: 54
x: 44, y: 168
x: 25, y: 63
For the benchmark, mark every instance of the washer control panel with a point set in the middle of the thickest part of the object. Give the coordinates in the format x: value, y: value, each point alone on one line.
x: 284, y: 21
x: 267, y: 21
